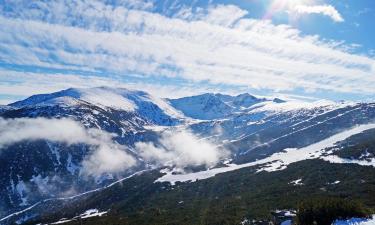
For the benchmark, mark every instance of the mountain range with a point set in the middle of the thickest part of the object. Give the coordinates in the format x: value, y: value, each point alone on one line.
x: 118, y: 156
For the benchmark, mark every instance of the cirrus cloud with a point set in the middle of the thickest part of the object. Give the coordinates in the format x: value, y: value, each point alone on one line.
x: 216, y: 46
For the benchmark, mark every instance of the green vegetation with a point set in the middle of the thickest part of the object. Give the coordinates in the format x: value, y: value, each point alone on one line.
x: 224, y: 199
x: 358, y: 146
x: 324, y: 211
x: 358, y: 150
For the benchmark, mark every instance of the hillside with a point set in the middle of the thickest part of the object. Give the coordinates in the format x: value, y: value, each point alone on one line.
x: 133, y: 158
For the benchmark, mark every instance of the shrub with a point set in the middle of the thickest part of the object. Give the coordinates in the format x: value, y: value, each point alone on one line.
x: 324, y: 211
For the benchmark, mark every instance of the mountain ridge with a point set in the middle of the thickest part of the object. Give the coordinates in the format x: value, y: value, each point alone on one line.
x: 249, y: 128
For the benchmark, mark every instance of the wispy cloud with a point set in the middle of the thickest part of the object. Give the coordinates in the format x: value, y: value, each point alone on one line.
x: 222, y: 15
x: 327, y: 10
x: 217, y: 45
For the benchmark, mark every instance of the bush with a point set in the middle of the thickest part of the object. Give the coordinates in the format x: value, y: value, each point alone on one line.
x: 324, y: 211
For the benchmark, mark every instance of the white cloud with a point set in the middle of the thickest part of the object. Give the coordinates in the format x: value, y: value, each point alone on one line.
x: 230, y: 50
x: 327, y: 10
x: 223, y: 15
x: 107, y: 159
x: 181, y: 149
x: 107, y: 155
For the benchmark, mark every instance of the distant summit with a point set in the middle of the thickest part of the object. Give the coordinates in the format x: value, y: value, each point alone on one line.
x: 215, y: 106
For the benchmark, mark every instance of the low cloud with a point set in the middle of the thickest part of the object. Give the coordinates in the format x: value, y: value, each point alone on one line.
x: 107, y: 155
x: 108, y: 158
x: 327, y: 10
x: 181, y: 149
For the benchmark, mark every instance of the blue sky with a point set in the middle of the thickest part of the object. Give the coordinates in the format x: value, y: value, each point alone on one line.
x: 287, y: 48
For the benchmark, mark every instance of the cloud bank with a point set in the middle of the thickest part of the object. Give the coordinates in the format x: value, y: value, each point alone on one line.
x: 181, y: 149
x: 107, y: 155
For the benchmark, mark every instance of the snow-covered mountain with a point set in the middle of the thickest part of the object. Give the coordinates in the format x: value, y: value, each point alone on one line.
x: 215, y: 106
x: 31, y: 170
x: 4, y: 108
x: 259, y: 134
x: 154, y: 109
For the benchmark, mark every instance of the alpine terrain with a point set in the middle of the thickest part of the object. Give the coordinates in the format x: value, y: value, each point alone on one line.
x: 118, y: 156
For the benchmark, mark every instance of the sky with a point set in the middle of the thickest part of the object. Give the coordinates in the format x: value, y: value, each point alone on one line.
x: 302, y: 49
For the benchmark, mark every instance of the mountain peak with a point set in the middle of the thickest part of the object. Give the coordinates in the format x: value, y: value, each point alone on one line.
x: 246, y: 95
x: 103, y: 96
x: 215, y: 105
x: 204, y: 106
x: 155, y: 109
x: 278, y: 100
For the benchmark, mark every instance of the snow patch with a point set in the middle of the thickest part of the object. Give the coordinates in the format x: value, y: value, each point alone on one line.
x: 277, y: 161
x: 286, y: 212
x: 62, y: 101
x: 356, y: 221
x: 91, y: 213
x: 63, y: 220
x: 298, y: 105
x: 245, y: 221
x: 55, y: 151
x: 107, y: 98
x: 335, y: 182
x: 156, y: 128
x: 296, y: 182
x: 165, y: 106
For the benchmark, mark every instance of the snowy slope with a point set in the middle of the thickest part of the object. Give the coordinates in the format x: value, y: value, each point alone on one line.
x: 277, y: 161
x: 356, y: 221
x: 216, y: 106
x: 105, y: 97
x: 151, y: 107
x: 206, y: 106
